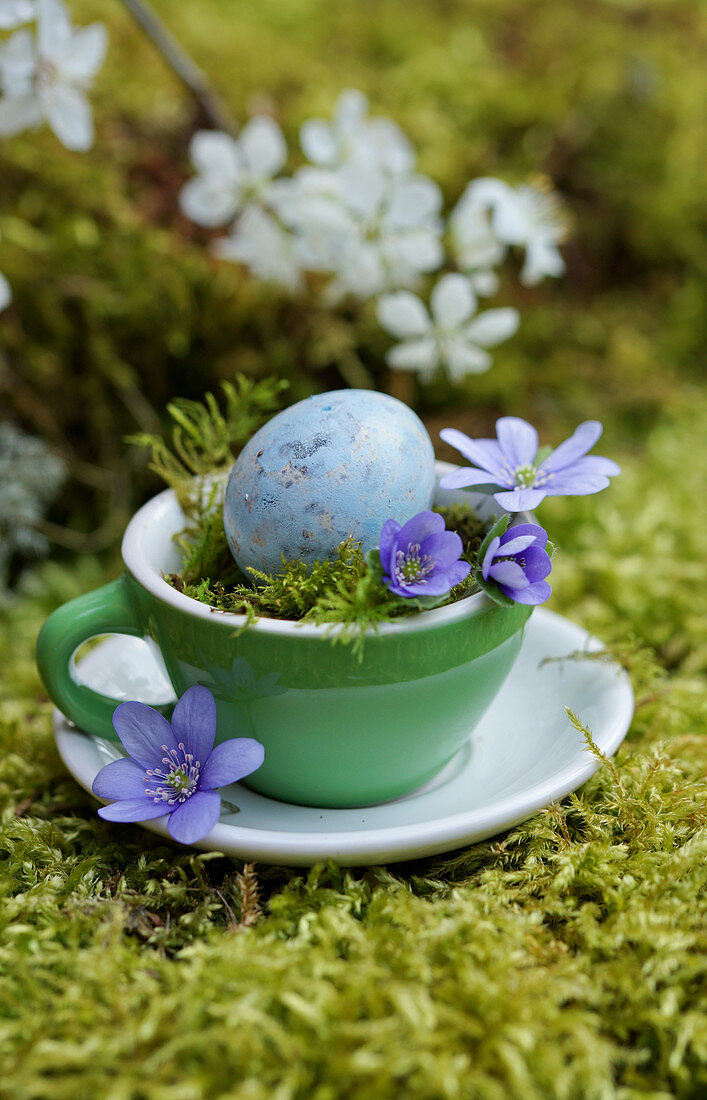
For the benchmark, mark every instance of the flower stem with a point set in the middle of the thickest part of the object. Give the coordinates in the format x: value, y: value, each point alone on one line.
x: 182, y: 65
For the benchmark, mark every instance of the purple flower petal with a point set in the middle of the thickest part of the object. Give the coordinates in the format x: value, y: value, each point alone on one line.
x: 445, y: 547
x: 484, y: 453
x: 387, y: 544
x: 436, y: 584
x: 518, y: 440
x: 395, y: 588
x: 231, y: 761
x: 533, y: 594
x: 508, y: 574
x: 120, y: 779
x: 457, y: 572
x: 534, y: 529
x: 593, y: 464
x: 194, y: 721
x: 568, y: 470
x: 581, y: 441
x: 537, y: 564
x: 520, y: 500
x: 568, y: 483
x: 431, y: 570
x: 419, y: 528
x: 465, y: 476
x: 132, y: 809
x: 516, y: 544
x: 195, y: 818
x: 143, y: 731
x: 489, y: 556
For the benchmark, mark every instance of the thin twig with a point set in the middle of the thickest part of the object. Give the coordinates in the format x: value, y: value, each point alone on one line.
x: 77, y: 541
x: 182, y: 65
x: 22, y: 807
x: 231, y: 917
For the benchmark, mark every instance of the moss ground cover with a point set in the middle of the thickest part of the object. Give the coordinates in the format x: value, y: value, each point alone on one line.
x: 563, y: 959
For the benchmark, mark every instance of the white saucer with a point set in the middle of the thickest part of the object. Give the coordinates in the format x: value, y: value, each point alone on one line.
x: 522, y: 756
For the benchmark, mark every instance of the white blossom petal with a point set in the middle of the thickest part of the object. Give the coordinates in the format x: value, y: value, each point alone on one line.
x: 360, y: 271
x: 67, y: 111
x: 463, y: 358
x: 85, y: 53
x: 317, y: 141
x: 476, y: 246
x: 487, y: 191
x: 413, y: 201
x: 541, y: 258
x: 350, y: 111
x: 410, y: 253
x: 510, y: 220
x: 383, y: 144
x: 452, y: 301
x: 18, y: 113
x: 418, y: 355
x: 362, y: 189
x: 403, y: 314
x: 309, y: 202
x: 317, y: 249
x: 15, y: 12
x: 18, y: 61
x: 264, y: 246
x: 263, y: 146
x: 206, y: 202
x: 485, y: 283
x: 332, y: 144
x: 53, y: 28
x: 493, y: 326
x: 354, y: 139
x: 216, y: 154
x: 531, y: 216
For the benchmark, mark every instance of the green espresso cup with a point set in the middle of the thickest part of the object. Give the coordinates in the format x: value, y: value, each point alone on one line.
x: 338, y: 730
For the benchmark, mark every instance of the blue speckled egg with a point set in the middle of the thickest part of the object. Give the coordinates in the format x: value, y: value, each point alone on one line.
x: 334, y: 465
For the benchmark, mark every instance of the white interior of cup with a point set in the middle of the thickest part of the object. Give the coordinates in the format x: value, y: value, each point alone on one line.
x: 149, y: 551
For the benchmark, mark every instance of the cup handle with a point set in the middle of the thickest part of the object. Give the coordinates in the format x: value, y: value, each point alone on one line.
x: 107, y: 610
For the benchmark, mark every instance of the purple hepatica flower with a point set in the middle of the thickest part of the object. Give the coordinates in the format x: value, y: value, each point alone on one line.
x: 421, y: 558
x: 174, y: 768
x: 518, y: 562
x: 511, y: 463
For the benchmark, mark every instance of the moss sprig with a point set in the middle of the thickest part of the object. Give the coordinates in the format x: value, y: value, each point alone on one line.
x: 206, y: 436
x: 345, y: 590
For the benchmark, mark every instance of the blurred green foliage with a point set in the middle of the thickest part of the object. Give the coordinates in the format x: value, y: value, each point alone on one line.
x: 118, y: 306
x: 565, y: 959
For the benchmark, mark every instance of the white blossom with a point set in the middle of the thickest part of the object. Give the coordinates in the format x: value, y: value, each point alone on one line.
x: 232, y: 172
x: 530, y: 216
x: 13, y: 13
x: 396, y: 232
x: 266, y: 248
x: 476, y: 247
x: 310, y: 205
x: 448, y: 335
x: 382, y: 231
x: 353, y: 137
x: 44, y: 78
